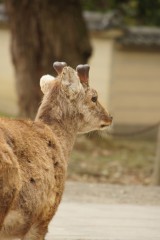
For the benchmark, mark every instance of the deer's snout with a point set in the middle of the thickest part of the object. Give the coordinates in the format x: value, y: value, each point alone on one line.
x: 106, y: 121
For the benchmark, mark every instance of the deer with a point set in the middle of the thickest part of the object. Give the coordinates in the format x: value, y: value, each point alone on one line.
x: 34, y: 155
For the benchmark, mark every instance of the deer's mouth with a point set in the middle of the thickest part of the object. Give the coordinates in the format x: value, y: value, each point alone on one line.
x: 103, y: 126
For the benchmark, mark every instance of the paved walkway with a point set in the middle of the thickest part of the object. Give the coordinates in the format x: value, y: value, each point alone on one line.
x: 86, y: 220
x: 76, y: 221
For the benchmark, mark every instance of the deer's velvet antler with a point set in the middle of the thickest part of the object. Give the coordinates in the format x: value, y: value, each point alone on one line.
x: 83, y: 73
x: 58, y: 66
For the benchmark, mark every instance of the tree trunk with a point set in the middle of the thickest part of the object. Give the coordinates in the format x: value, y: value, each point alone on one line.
x: 43, y: 32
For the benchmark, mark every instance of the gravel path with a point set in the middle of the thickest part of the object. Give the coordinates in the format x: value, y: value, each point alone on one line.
x: 111, y: 194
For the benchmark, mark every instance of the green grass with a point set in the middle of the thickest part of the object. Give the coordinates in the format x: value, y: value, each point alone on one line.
x: 6, y: 115
x: 112, y: 160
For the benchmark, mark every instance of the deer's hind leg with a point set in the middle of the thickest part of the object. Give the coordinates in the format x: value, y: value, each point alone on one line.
x: 9, y: 180
x: 37, y: 231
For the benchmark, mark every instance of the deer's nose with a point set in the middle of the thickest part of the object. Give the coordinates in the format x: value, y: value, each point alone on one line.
x: 110, y: 118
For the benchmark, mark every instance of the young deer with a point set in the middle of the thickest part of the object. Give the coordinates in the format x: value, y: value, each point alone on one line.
x: 34, y: 154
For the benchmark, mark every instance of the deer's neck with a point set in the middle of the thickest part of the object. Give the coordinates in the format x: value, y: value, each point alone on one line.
x: 64, y: 129
x: 66, y: 133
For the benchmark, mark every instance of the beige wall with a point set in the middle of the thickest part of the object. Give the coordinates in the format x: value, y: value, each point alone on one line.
x: 7, y: 91
x: 135, y: 87
x: 99, y: 73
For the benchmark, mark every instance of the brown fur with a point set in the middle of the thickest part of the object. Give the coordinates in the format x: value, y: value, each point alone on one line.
x: 34, y: 156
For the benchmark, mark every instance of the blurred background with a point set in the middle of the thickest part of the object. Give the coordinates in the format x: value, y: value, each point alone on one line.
x: 121, y: 42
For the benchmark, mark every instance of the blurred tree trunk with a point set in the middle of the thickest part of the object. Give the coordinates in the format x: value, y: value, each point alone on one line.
x: 43, y: 32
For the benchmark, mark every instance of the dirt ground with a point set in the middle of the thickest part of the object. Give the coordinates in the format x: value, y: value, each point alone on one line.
x: 113, y: 161
x: 111, y: 194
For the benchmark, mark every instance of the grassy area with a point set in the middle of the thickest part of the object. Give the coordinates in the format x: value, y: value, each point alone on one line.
x: 106, y: 159
x: 6, y: 115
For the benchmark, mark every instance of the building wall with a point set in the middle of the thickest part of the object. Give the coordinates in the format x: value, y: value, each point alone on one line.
x: 135, y: 87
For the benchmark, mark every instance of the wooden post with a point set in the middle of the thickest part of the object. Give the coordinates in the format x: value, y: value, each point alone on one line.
x: 156, y: 172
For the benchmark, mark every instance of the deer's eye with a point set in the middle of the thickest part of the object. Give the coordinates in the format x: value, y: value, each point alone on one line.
x: 94, y: 99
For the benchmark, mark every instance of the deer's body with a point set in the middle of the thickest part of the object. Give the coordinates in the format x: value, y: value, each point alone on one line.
x: 34, y: 156
x: 33, y: 167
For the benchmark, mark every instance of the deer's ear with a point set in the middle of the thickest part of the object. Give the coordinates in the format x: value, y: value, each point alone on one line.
x: 70, y: 82
x: 45, y: 83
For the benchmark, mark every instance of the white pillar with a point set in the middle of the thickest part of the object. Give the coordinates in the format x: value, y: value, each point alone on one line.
x: 101, y: 67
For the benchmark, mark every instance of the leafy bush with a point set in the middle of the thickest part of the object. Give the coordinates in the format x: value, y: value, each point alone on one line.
x: 135, y: 12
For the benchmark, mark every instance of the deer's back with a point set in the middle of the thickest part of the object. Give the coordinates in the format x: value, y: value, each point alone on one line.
x: 41, y: 164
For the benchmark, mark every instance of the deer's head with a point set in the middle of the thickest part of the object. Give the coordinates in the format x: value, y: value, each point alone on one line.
x: 69, y: 96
